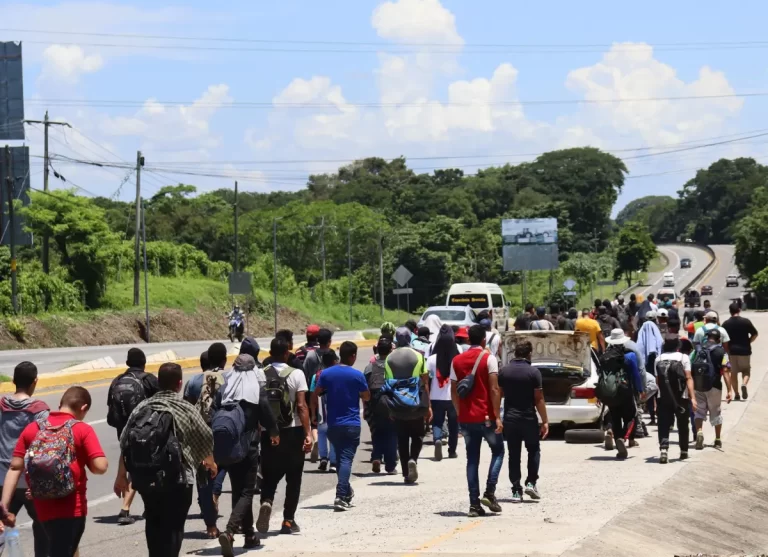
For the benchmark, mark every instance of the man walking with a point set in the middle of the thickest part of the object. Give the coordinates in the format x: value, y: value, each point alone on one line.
x: 377, y: 413
x: 125, y: 393
x: 541, y: 323
x: 313, y: 363
x: 344, y: 387
x: 477, y: 407
x: 17, y: 411
x: 710, y: 370
x: 711, y: 323
x: 742, y: 334
x: 407, y: 364
x: 676, y: 394
x: 521, y: 385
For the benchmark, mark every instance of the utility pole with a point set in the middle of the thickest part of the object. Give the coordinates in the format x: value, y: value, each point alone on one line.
x: 274, y: 264
x: 322, y: 226
x: 237, y: 236
x: 594, y: 249
x: 137, y: 254
x: 349, y: 271
x: 46, y: 171
x: 381, y: 274
x: 146, y: 284
x: 9, y: 181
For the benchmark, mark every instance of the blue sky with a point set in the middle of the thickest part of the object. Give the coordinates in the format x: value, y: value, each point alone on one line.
x: 425, y: 104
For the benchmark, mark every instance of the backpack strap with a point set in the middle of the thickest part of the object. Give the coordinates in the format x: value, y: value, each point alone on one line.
x: 286, y: 372
x: 477, y: 362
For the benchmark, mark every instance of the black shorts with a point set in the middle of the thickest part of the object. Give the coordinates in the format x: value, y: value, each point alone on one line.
x: 64, y: 535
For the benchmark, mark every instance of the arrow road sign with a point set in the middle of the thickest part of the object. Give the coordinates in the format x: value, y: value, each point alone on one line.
x: 569, y: 283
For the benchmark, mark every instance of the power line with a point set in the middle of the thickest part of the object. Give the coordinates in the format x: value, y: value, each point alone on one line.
x: 105, y: 103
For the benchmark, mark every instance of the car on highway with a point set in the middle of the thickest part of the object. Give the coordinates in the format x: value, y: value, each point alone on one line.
x: 732, y: 280
x: 706, y: 290
x: 568, y: 374
x: 685, y: 263
x: 451, y: 315
x: 666, y: 295
x: 669, y: 279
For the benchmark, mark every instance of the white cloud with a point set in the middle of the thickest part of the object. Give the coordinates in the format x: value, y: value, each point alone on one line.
x: 416, y: 21
x: 68, y: 63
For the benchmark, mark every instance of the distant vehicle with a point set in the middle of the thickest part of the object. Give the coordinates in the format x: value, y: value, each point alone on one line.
x: 451, y: 315
x: 669, y: 279
x: 706, y: 290
x: 481, y: 296
x: 692, y: 299
x: 732, y: 280
x: 666, y: 295
x: 236, y: 328
x: 685, y: 263
x: 568, y: 374
x: 525, y: 237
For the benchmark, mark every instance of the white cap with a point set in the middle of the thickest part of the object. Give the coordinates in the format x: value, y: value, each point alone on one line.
x: 650, y: 314
x: 711, y: 315
x: 617, y: 337
x: 663, y: 313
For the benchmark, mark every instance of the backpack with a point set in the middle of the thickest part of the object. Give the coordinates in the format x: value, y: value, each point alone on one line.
x: 211, y: 385
x: 672, y: 383
x: 622, y: 314
x: 703, y: 370
x: 606, y: 326
x: 612, y: 384
x: 304, y: 351
x: 230, y: 439
x: 279, y: 395
x: 49, y: 461
x: 404, y: 398
x: 378, y: 406
x: 152, y: 452
x: 125, y: 395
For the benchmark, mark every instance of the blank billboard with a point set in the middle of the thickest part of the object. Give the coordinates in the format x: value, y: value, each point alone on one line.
x: 529, y: 231
x: 11, y: 92
x: 530, y: 257
x: 20, y: 175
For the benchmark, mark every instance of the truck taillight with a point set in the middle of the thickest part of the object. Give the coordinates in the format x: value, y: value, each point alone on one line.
x: 583, y: 392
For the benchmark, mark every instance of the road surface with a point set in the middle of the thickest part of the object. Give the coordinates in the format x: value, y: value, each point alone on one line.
x: 674, y: 253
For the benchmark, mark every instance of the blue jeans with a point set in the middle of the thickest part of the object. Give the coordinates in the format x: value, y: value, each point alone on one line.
x: 205, y: 496
x: 345, y: 440
x: 473, y: 438
x: 440, y: 410
x: 384, y: 440
x: 326, y: 453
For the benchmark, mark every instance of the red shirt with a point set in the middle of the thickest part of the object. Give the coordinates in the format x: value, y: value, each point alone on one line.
x: 87, y: 447
x: 477, y: 407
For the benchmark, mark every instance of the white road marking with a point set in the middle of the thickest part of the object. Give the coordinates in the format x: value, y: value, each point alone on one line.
x: 97, y: 422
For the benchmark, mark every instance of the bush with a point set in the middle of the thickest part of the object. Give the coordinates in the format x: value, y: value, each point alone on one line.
x: 33, y: 288
x: 16, y: 328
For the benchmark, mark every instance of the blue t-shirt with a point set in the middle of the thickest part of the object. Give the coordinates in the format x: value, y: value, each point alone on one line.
x: 342, y: 385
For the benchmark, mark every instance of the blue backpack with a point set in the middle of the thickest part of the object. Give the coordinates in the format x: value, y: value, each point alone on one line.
x: 405, y: 398
x: 230, y: 440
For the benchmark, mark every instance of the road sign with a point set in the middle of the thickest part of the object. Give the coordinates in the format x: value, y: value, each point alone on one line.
x: 569, y: 284
x: 570, y: 293
x: 239, y: 283
x: 402, y: 275
x: 402, y: 291
x: 11, y: 92
x: 607, y: 283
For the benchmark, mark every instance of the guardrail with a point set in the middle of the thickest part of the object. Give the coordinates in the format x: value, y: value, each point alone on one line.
x: 705, y: 270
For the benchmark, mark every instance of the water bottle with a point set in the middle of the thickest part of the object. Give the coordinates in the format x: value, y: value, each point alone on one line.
x: 12, y: 543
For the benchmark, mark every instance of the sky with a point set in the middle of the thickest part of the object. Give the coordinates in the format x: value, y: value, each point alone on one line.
x: 268, y: 92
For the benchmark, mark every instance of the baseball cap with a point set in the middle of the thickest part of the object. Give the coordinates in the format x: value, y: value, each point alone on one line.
x: 484, y: 323
x: 714, y: 333
x: 711, y: 315
x: 312, y: 330
x: 463, y: 332
x: 424, y: 332
x: 403, y: 336
x: 663, y: 313
x: 651, y: 315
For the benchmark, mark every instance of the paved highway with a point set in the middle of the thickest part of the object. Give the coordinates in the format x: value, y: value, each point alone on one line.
x: 675, y: 253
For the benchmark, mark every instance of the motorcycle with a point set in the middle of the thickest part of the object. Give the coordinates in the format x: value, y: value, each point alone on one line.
x: 236, y: 328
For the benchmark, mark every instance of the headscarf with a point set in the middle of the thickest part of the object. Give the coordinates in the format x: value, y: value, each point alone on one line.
x: 251, y: 347
x: 433, y: 323
x: 445, y: 350
x: 242, y: 383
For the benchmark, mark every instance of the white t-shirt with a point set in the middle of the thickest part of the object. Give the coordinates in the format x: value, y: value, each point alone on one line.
x: 296, y: 383
x: 676, y: 357
x: 492, y: 341
x: 435, y: 391
x: 493, y: 364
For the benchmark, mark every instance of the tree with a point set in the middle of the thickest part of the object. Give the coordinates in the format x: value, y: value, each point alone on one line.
x: 751, y: 239
x: 635, y: 209
x: 634, y: 253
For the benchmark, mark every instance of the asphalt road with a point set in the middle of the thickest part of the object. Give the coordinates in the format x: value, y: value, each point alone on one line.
x: 674, y: 253
x: 104, y: 537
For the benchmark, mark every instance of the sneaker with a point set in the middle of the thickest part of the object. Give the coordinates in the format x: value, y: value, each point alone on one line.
x: 517, y: 494
x: 737, y: 398
x: 633, y: 443
x: 489, y: 500
x: 332, y: 469
x: 684, y: 455
x: 621, y: 449
x: 376, y: 467
x: 744, y: 393
x: 609, y: 445
x: 438, y: 452
x: 476, y: 511
x: 392, y: 472
x: 251, y: 541
x: 664, y: 457
x: 227, y: 541
x: 340, y: 505
x: 323, y: 465
x: 452, y: 454
x: 718, y: 444
x: 315, y: 453
x: 700, y: 441
x: 532, y: 491
x: 290, y: 527
x: 265, y: 513
x: 124, y: 518
x: 443, y: 441
x: 351, y: 496
x: 413, y: 471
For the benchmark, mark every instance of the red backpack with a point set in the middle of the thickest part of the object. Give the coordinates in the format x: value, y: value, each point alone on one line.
x: 49, y: 461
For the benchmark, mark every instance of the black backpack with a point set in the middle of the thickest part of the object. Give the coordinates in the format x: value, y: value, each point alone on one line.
x: 279, y: 395
x: 125, y: 395
x: 378, y: 407
x: 622, y: 314
x: 672, y: 384
x: 703, y: 370
x: 612, y: 386
x: 152, y: 452
x: 231, y: 441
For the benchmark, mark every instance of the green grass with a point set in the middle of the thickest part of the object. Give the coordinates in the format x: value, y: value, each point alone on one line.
x: 659, y: 263
x: 5, y: 378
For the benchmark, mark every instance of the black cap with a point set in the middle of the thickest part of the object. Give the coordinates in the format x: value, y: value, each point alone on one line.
x: 714, y: 334
x: 424, y: 332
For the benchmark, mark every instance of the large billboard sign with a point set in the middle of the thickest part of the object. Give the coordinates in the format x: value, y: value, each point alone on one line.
x: 529, y: 244
x: 19, y: 174
x: 11, y: 92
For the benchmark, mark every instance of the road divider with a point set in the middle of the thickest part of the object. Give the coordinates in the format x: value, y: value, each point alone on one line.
x: 68, y: 377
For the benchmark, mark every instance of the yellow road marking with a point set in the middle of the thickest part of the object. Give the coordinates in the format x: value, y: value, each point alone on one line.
x: 439, y: 539
x: 97, y: 385
x: 711, y: 271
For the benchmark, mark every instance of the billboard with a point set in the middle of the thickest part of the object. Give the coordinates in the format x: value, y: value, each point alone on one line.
x: 11, y: 92
x: 20, y: 175
x: 529, y: 244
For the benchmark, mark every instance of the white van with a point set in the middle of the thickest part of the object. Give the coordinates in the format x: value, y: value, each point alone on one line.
x: 669, y: 279
x: 480, y: 296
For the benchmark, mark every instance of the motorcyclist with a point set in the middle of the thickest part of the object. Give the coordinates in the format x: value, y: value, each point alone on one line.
x: 237, y: 313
